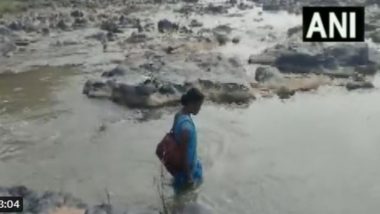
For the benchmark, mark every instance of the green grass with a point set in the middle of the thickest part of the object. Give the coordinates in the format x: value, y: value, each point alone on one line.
x: 12, y: 6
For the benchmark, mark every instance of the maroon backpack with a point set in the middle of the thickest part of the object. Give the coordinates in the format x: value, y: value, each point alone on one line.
x: 170, y: 153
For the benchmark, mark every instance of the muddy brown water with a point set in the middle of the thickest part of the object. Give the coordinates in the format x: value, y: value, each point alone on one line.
x: 314, y: 153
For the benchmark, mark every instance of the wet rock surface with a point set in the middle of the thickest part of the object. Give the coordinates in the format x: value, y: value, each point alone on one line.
x: 160, y: 90
x: 300, y: 58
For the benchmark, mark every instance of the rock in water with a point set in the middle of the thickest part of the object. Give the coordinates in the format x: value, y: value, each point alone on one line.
x: 264, y: 74
x: 359, y: 85
x: 225, y: 29
x: 236, y: 40
x: 216, y: 9
x: 80, y: 23
x: 285, y: 93
x: 132, y: 96
x: 222, y: 39
x: 271, y: 6
x: 137, y: 38
x: 110, y: 26
x: 62, y: 25
x: 349, y: 54
x: 77, y: 14
x: 294, y: 30
x: 167, y: 26
x: 314, y: 58
x: 195, y: 23
x: 118, y: 71
x: 299, y: 63
x: 16, y: 26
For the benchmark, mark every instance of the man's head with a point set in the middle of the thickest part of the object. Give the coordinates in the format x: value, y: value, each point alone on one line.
x: 192, y: 100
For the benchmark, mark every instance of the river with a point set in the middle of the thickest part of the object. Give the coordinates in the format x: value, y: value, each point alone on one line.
x: 314, y: 153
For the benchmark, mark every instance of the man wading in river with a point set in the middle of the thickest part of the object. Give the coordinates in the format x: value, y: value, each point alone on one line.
x: 178, y: 150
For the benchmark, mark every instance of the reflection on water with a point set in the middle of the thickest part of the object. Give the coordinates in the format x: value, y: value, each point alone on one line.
x: 29, y: 91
